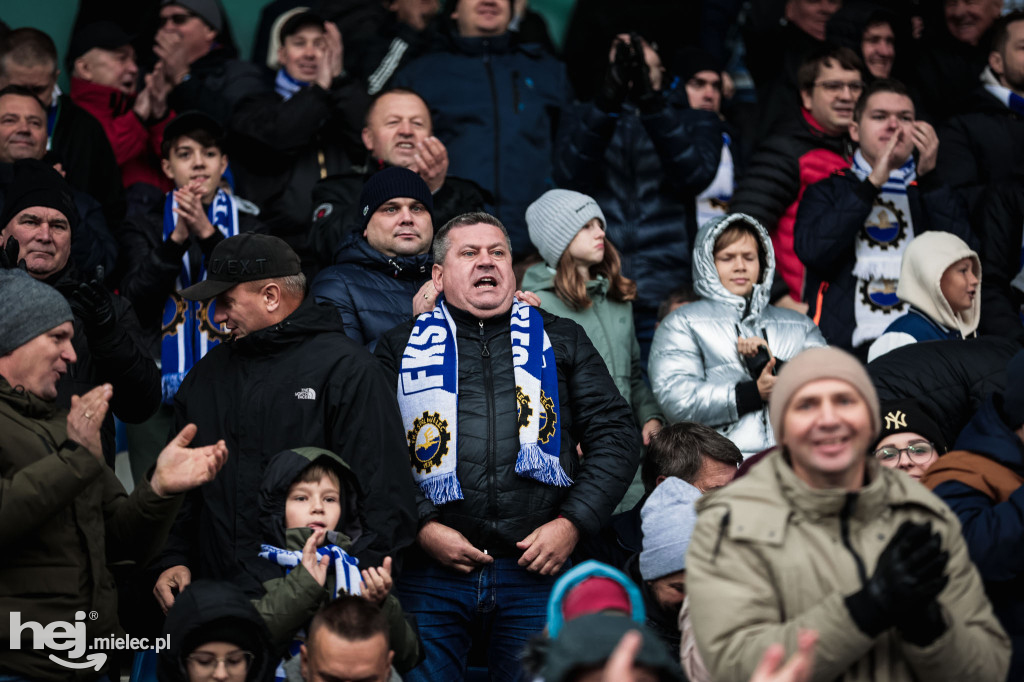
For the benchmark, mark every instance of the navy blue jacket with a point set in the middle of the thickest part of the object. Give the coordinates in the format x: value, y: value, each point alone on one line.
x: 922, y: 327
x: 644, y: 171
x: 995, y: 531
x: 831, y: 214
x: 495, y: 105
x: 371, y: 291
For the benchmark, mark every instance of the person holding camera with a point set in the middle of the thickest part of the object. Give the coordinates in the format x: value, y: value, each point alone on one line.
x: 714, y: 361
x: 644, y: 155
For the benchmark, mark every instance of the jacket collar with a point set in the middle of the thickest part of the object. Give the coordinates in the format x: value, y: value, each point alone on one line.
x: 94, y: 96
x: 814, y: 503
x: 307, y: 320
x: 357, y: 250
x: 26, y: 403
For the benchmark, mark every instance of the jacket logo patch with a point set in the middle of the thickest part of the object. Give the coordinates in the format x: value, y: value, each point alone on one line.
x: 895, y: 420
x: 428, y: 441
x: 322, y: 211
x: 306, y: 394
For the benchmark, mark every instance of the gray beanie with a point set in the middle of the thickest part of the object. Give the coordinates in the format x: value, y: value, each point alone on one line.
x: 555, y: 219
x: 667, y: 520
x: 31, y: 308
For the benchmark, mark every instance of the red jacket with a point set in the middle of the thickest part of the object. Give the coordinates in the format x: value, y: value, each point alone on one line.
x: 771, y: 189
x: 136, y: 145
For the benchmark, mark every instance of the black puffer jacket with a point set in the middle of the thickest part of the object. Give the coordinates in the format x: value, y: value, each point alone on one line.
x: 831, y: 214
x: 949, y: 378
x: 644, y: 172
x: 118, y: 358
x: 1000, y: 222
x: 203, y: 604
x: 981, y: 146
x: 216, y: 84
x: 300, y: 382
x: 499, y: 507
x: 372, y: 292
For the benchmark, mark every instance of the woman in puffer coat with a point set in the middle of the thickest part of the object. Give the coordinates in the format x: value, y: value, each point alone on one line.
x: 714, y: 361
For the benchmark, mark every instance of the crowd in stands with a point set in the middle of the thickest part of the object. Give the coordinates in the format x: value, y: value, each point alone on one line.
x: 687, y: 347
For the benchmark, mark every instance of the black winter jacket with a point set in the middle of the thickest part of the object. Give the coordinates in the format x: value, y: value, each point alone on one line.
x: 981, y: 146
x: 152, y: 265
x: 999, y: 220
x: 499, y: 507
x: 371, y: 291
x: 216, y: 84
x: 831, y: 214
x: 336, y: 214
x: 298, y: 383
x: 644, y: 171
x: 280, y: 149
x: 118, y: 358
x: 949, y: 378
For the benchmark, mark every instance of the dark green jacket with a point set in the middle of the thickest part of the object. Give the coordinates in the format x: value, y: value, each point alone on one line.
x: 291, y: 600
x: 64, y: 517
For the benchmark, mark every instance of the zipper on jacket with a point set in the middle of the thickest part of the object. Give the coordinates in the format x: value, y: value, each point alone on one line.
x: 492, y: 476
x: 497, y: 135
x: 844, y: 532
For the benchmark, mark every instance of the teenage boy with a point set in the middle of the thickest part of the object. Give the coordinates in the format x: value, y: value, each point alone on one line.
x: 169, y: 248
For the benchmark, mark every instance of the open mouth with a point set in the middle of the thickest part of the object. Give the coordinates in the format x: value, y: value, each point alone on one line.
x: 486, y: 283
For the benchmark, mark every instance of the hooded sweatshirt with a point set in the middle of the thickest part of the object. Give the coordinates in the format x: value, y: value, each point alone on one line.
x: 931, y: 317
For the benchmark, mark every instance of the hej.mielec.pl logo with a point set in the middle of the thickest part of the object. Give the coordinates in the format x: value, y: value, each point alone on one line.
x: 72, y: 639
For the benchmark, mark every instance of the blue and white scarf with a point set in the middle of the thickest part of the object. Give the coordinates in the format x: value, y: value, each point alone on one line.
x: 1009, y: 98
x: 188, y: 328
x: 286, y: 86
x: 347, y: 579
x: 428, y: 398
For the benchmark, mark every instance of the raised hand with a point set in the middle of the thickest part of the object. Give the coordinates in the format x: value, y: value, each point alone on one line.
x: 377, y: 582
x: 86, y: 416
x: 315, y: 564
x: 180, y: 468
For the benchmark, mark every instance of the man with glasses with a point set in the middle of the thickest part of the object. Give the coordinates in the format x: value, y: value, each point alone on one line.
x: 853, y: 227
x: 814, y: 145
x: 203, y: 72
x: 981, y: 482
x: 911, y: 440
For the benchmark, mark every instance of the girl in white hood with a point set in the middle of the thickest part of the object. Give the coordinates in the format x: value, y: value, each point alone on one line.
x: 940, y: 278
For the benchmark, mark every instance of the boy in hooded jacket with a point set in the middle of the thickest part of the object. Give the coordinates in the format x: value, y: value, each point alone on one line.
x: 309, y: 518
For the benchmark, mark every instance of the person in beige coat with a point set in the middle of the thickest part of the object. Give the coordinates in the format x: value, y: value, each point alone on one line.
x: 818, y: 536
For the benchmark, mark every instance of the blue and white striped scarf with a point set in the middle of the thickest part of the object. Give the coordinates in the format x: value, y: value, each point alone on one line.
x: 428, y: 398
x: 286, y: 86
x: 188, y: 328
x: 347, y: 579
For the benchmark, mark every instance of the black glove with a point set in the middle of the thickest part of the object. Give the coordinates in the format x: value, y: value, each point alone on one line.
x: 910, y: 574
x: 94, y: 306
x: 616, y: 81
x: 642, y: 93
x: 9, y: 255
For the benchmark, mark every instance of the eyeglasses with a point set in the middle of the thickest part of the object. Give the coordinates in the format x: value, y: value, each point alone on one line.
x: 236, y: 663
x: 856, y: 87
x: 918, y: 453
x: 179, y: 19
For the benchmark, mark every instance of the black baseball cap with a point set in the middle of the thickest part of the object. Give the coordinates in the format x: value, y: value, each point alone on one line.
x: 299, y: 21
x: 244, y: 258
x: 189, y: 122
x: 105, y: 35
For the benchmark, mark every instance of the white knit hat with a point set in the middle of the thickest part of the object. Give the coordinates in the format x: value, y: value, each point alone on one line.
x: 555, y: 219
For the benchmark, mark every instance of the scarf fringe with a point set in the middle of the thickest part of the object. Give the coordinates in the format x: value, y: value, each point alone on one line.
x: 540, y: 466
x: 169, y: 385
x: 442, y: 489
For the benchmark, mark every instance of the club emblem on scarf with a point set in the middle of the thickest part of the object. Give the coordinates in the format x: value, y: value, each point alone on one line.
x: 880, y: 295
x: 886, y: 225
x: 428, y: 441
x: 523, y: 409
x: 206, y: 323
x: 171, y: 328
x: 549, y: 419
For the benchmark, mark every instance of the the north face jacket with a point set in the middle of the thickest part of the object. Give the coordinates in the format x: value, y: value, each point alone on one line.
x: 771, y: 556
x: 300, y: 381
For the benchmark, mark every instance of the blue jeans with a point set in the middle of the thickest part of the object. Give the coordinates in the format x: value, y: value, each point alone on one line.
x: 502, y: 602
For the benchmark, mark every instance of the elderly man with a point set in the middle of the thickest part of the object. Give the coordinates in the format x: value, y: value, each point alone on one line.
x: 104, y: 82
x: 398, y: 132
x: 288, y: 376
x: 819, y: 536
x: 63, y: 514
x: 495, y: 397
x: 380, y: 273
x: 38, y: 220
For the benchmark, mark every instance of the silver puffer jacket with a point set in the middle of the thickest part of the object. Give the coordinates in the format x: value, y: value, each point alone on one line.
x: 695, y: 365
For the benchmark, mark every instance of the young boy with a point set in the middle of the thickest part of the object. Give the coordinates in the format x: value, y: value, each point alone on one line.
x: 167, y: 249
x: 309, y: 519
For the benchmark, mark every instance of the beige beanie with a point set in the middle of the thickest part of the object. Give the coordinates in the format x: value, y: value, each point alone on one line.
x: 821, y: 363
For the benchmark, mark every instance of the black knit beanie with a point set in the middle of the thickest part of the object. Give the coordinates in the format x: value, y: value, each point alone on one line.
x: 391, y: 183
x: 36, y: 183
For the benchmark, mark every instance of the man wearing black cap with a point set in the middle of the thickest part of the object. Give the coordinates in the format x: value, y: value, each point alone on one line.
x: 203, y: 73
x: 982, y: 481
x: 289, y: 377
x: 39, y: 216
x: 64, y: 514
x: 380, y: 273
x: 306, y: 129
x: 104, y: 82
